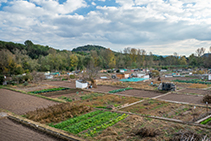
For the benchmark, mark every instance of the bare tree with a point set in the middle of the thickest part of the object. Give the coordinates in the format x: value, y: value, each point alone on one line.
x: 200, y: 51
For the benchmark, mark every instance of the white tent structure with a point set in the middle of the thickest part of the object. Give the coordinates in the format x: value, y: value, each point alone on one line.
x: 80, y: 84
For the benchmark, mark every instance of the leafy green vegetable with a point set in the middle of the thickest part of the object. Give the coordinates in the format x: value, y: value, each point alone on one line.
x: 120, y: 90
x: 49, y: 90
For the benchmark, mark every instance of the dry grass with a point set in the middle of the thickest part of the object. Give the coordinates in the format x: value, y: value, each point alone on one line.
x: 207, y: 98
x: 198, y: 86
x: 150, y: 130
x: 107, y: 100
x: 57, y: 113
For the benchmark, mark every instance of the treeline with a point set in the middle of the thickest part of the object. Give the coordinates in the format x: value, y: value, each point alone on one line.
x: 19, y: 58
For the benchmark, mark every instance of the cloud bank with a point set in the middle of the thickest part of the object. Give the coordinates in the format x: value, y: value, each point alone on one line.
x: 159, y: 26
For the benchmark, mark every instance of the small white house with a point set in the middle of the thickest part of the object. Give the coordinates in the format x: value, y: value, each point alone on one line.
x: 80, y: 84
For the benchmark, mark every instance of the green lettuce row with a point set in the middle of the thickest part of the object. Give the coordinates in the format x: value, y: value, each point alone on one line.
x: 120, y: 90
x: 86, y: 124
x: 76, y: 119
x: 106, y: 125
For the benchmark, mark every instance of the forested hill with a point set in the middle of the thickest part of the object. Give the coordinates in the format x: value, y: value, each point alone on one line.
x: 88, y: 48
x: 34, y: 51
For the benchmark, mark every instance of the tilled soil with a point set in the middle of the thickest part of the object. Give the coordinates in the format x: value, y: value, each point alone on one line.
x: 103, y: 88
x: 140, y: 93
x: 183, y: 98
x: 195, y: 91
x: 12, y: 131
x: 19, y: 103
x: 68, y: 84
x: 63, y: 92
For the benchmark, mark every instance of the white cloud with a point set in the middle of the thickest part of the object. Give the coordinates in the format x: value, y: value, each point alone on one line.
x: 155, y: 25
x: 93, y: 3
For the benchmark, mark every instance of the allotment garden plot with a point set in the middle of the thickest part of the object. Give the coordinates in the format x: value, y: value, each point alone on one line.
x: 20, y: 103
x: 169, y: 110
x: 192, y: 99
x: 141, y: 93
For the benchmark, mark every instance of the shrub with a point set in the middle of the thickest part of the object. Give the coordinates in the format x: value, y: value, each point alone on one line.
x: 207, y: 98
x: 1, y: 79
x: 27, y: 77
x: 155, y: 73
x: 72, y: 76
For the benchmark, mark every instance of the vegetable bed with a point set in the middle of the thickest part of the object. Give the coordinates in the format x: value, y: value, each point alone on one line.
x: 120, y: 90
x: 90, y: 123
x: 49, y: 90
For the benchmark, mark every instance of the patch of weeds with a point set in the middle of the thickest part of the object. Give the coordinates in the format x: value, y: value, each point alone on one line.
x: 90, y: 96
x: 148, y: 119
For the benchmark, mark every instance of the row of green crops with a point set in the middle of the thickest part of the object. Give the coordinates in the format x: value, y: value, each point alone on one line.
x: 206, y: 121
x: 70, y: 121
x: 96, y: 121
x: 192, y: 81
x: 49, y: 90
x: 120, y: 90
x: 106, y: 125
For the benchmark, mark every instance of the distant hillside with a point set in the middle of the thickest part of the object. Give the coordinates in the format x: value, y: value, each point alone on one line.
x: 88, y: 48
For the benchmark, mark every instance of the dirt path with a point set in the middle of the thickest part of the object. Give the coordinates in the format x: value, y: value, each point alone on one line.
x: 12, y: 131
x: 19, y: 103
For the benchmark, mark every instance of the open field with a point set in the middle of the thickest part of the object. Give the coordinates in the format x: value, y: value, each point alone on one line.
x: 20, y: 103
x: 12, y: 131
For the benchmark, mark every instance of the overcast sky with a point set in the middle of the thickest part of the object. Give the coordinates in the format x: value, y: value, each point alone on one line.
x: 160, y: 26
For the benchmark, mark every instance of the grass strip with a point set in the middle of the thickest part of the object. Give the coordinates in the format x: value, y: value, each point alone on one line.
x: 70, y: 121
x: 86, y: 124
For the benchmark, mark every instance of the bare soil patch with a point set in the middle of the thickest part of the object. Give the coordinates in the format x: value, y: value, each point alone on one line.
x: 68, y: 84
x: 63, y: 93
x: 104, y: 88
x: 183, y: 98
x: 20, y: 103
x: 141, y: 93
x: 12, y: 131
x: 32, y: 87
x: 194, y: 91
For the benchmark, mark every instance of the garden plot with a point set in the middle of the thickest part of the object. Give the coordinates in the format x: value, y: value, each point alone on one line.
x: 68, y: 84
x: 107, y: 101
x: 32, y: 87
x: 104, y: 88
x: 12, y: 131
x: 194, y: 92
x: 91, y: 123
x: 194, y: 99
x: 141, y: 93
x: 65, y: 93
x: 20, y: 103
x: 168, y: 110
x: 136, y: 128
